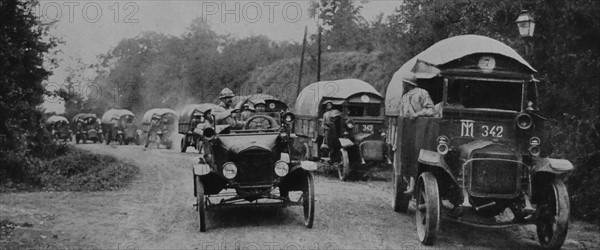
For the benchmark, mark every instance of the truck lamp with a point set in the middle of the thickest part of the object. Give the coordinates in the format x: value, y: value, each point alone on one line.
x: 442, y: 147
x: 524, y: 121
x: 281, y: 168
x: 350, y: 124
x: 534, y: 148
x: 229, y: 170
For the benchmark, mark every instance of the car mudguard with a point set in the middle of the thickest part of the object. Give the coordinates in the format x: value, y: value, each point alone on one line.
x: 550, y: 165
x: 432, y: 158
x: 346, y: 143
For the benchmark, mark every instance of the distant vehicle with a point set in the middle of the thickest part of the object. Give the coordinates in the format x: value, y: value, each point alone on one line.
x: 87, y: 127
x: 256, y: 164
x: 357, y: 127
x: 59, y: 128
x: 159, y: 125
x: 190, y: 117
x: 118, y: 125
x: 481, y: 155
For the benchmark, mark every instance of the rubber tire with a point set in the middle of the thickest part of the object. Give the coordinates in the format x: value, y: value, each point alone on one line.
x: 428, y: 221
x: 344, y: 166
x: 201, y: 205
x: 559, y: 224
x: 183, y: 145
x: 308, y: 200
x: 147, y: 141
x: 400, y: 200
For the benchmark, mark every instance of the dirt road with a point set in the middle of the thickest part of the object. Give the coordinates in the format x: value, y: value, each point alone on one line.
x: 156, y: 212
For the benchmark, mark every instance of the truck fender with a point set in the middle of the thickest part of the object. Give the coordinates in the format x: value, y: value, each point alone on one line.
x: 432, y: 158
x: 550, y: 165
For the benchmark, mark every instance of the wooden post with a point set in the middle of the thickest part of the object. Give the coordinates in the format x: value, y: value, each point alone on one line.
x: 319, y: 57
x: 302, y: 61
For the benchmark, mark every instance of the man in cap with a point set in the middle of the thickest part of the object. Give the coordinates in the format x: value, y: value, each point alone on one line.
x: 330, y: 140
x: 415, y: 101
x: 226, y: 97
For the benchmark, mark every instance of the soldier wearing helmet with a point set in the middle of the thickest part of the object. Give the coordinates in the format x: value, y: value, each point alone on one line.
x: 260, y: 106
x: 226, y: 97
x: 415, y: 101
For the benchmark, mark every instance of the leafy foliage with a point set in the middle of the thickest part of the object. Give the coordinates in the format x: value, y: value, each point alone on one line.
x: 22, y: 60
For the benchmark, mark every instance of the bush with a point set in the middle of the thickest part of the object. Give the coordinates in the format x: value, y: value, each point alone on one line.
x: 64, y: 168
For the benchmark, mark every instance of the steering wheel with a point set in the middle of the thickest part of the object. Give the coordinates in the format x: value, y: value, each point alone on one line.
x: 272, y: 122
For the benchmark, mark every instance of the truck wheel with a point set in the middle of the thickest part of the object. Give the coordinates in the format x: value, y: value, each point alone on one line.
x: 553, y: 220
x: 183, y: 145
x: 427, y: 216
x: 400, y: 200
x: 308, y: 200
x: 201, y: 205
x: 344, y: 166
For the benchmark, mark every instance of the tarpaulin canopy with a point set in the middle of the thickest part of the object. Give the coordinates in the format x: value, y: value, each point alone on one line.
x: 309, y: 99
x: 186, y: 114
x: 84, y: 116
x: 160, y: 112
x: 427, y: 64
x: 56, y: 118
x: 115, y: 114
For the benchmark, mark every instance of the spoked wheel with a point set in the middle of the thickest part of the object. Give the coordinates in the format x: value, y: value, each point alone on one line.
x: 553, y: 220
x: 201, y: 205
x: 308, y: 200
x: 183, y: 144
x: 344, y: 166
x: 427, y: 215
x: 400, y: 200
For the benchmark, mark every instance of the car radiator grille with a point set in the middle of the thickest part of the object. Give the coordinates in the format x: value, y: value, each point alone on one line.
x: 491, y: 176
x: 255, y: 168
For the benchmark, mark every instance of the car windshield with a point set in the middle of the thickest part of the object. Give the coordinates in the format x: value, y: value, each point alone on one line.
x: 485, y: 94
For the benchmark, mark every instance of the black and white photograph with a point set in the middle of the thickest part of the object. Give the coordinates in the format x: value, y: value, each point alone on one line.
x: 299, y: 124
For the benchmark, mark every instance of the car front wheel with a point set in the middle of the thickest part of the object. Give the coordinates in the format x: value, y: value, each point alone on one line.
x: 201, y: 205
x: 308, y: 200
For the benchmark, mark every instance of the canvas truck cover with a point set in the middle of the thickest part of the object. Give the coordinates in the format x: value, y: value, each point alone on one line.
x: 116, y: 114
x: 309, y: 99
x: 427, y: 64
x: 56, y: 118
x: 157, y: 111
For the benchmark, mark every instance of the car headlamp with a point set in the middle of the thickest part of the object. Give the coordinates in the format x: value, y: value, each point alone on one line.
x: 229, y: 170
x: 524, y: 121
x: 281, y: 168
x: 288, y: 118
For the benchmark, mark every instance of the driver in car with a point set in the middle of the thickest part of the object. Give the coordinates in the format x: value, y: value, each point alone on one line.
x: 259, y: 122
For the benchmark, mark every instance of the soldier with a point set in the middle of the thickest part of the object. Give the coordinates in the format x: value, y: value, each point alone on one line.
x: 226, y: 97
x: 331, y: 143
x: 415, y: 101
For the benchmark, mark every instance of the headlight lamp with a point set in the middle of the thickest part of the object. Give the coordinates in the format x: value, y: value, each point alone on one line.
x: 229, y: 170
x: 281, y: 168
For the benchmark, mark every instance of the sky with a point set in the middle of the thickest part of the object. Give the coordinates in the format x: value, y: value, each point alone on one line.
x: 89, y: 28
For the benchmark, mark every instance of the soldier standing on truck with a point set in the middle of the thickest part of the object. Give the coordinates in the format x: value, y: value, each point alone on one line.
x: 415, y: 101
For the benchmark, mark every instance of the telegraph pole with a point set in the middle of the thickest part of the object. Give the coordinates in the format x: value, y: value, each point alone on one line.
x: 302, y: 60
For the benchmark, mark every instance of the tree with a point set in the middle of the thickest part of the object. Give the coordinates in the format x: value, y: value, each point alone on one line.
x: 24, y: 44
